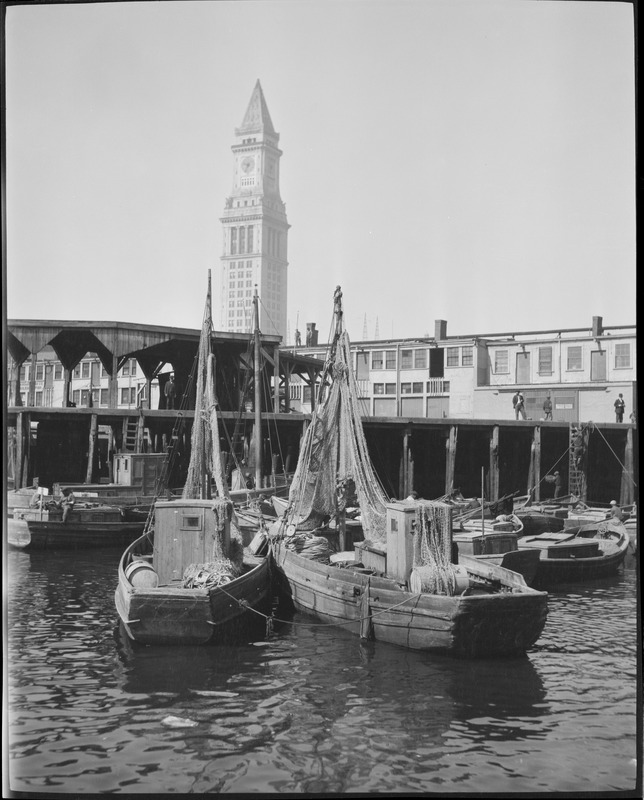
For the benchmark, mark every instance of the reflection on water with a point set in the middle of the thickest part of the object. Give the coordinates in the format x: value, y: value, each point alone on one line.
x: 312, y: 709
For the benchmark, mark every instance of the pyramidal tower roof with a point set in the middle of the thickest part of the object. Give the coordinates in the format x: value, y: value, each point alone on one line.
x: 257, y: 119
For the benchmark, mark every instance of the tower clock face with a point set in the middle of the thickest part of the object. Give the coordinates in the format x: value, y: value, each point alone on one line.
x: 248, y: 164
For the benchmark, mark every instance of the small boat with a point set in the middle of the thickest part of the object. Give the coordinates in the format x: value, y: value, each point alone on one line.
x: 497, y: 542
x: 578, y: 554
x: 87, y: 526
x: 540, y: 518
x: 398, y: 582
x: 189, y: 579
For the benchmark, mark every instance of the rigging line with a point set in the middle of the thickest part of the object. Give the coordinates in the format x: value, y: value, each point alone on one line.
x: 244, y: 604
x: 616, y: 456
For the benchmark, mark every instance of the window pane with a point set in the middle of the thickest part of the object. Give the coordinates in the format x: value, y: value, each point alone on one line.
x: 574, y: 357
x: 390, y: 388
x: 452, y: 356
x: 376, y: 359
x: 405, y: 359
x: 622, y: 355
x: 501, y: 361
x: 417, y: 388
x: 420, y: 359
x: 390, y: 359
x: 379, y: 388
x: 545, y: 360
x: 468, y: 356
x: 405, y: 388
x: 85, y: 369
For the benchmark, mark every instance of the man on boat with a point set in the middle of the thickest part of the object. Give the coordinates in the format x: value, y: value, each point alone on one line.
x: 557, y: 483
x: 620, y: 405
x: 67, y: 503
x: 615, y: 511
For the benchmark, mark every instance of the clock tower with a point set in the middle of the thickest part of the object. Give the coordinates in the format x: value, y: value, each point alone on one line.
x: 254, y: 228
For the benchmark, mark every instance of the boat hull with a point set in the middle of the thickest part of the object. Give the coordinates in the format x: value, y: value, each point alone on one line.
x: 476, y: 626
x: 52, y: 535
x: 612, y: 548
x: 170, y: 615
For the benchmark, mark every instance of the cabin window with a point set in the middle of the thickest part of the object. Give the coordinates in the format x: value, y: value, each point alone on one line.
x: 420, y: 359
x: 390, y: 359
x: 376, y: 359
x: 501, y: 362
x: 406, y: 359
x: 622, y: 356
x: 452, y: 356
x: 574, y: 358
x: 545, y: 361
x: 467, y: 357
x: 191, y: 522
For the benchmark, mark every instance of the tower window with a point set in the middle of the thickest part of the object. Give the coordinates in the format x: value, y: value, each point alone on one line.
x: 233, y: 241
x: 249, y: 242
x: 242, y: 240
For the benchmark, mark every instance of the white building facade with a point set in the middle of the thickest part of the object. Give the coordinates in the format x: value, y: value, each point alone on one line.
x: 475, y: 377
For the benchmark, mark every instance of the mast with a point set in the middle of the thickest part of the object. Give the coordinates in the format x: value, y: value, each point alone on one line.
x: 258, y: 394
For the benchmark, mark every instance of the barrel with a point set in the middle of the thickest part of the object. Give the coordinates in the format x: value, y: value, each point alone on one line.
x: 141, y: 575
x: 423, y: 580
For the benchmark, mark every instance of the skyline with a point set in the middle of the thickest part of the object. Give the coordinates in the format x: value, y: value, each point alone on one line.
x: 481, y: 154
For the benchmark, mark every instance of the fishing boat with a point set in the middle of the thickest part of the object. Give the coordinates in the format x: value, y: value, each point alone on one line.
x: 399, y: 582
x: 587, y: 552
x: 89, y: 525
x: 189, y: 579
x: 497, y: 542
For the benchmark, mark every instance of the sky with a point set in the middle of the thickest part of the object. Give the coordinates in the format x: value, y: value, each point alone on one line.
x: 465, y: 160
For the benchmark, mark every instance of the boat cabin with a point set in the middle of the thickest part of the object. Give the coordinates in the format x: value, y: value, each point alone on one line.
x: 188, y: 532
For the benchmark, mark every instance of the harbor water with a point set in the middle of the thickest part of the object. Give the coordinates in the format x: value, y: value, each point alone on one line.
x: 310, y: 708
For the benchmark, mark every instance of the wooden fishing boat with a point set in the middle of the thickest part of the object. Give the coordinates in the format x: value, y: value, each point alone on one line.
x: 87, y: 526
x: 578, y: 554
x: 399, y: 582
x: 172, y: 589
x: 493, y: 613
x: 189, y: 579
x: 497, y: 542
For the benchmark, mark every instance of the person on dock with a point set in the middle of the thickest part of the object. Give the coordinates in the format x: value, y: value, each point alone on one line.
x: 170, y: 391
x: 558, y: 488
x: 620, y: 405
x: 519, y: 405
x: 547, y: 408
x: 67, y: 503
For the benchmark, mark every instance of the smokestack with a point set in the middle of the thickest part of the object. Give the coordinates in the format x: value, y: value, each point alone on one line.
x: 440, y: 329
x: 597, y: 326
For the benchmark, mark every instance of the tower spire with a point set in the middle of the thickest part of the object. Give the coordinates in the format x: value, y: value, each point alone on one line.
x: 256, y: 119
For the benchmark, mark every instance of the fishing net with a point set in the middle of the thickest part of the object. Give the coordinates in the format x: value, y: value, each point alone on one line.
x: 221, y: 567
x: 433, y: 571
x: 334, y: 454
x: 205, y: 452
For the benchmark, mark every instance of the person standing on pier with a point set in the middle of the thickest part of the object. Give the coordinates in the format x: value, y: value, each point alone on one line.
x: 519, y: 407
x: 557, y: 484
x: 170, y: 390
x: 620, y: 405
x: 547, y: 408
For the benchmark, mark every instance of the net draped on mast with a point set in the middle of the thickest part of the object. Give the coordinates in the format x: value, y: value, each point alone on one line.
x: 334, y: 450
x: 205, y: 451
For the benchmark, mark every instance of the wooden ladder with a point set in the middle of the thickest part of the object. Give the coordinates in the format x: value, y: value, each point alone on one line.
x: 134, y: 434
x: 576, y: 475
